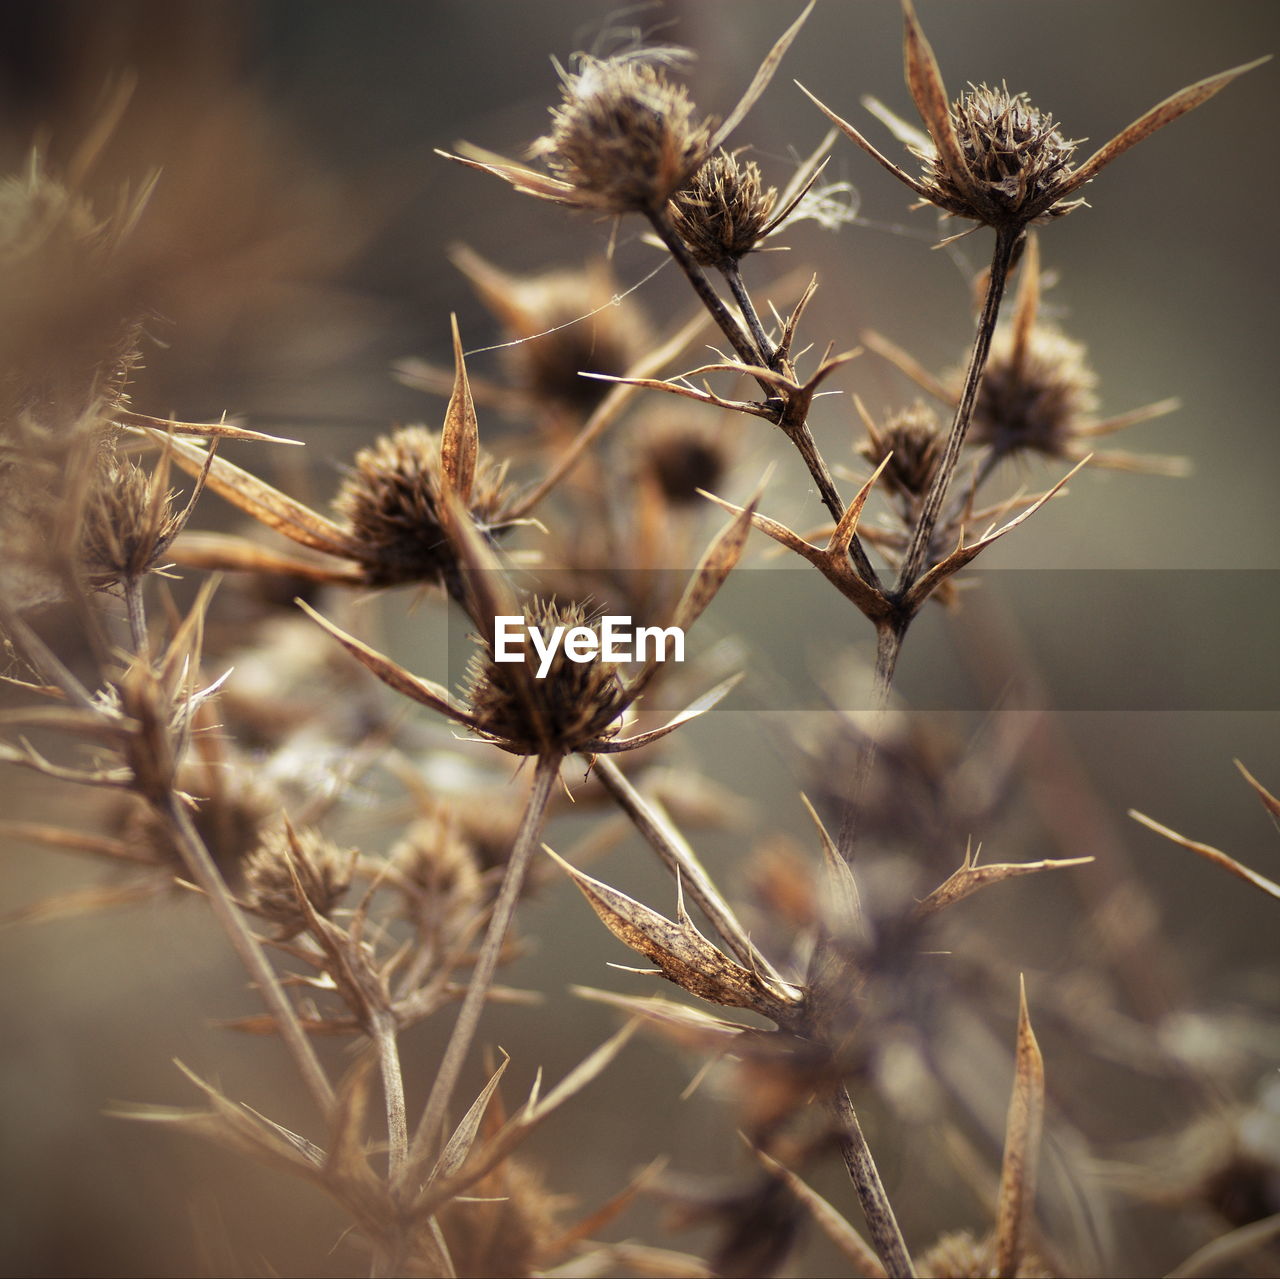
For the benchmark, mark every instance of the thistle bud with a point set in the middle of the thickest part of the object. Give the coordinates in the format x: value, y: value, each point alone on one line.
x: 682, y: 457
x: 128, y: 524
x: 913, y: 438
x: 724, y: 212
x: 1034, y: 397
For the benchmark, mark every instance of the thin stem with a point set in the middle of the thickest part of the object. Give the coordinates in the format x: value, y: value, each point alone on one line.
x: 882, y: 1225
x: 733, y: 277
x: 384, y: 1038
x: 746, y: 347
x: 206, y: 874
x: 137, y: 617
x: 922, y: 536
x: 724, y: 318
x: 889, y: 637
x: 504, y: 909
x: 683, y: 862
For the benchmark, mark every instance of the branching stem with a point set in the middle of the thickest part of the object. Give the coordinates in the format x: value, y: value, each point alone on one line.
x: 913, y: 564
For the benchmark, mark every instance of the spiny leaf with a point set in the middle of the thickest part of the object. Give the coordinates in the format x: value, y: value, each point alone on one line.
x: 683, y: 954
x: 851, y: 1244
x: 699, y: 706
x: 460, y: 437
x: 1016, y: 1208
x: 460, y: 1143
x: 760, y: 80
x: 392, y: 673
x: 1175, y: 105
x: 1269, y: 801
x: 971, y: 877
x: 1210, y: 854
x: 924, y: 80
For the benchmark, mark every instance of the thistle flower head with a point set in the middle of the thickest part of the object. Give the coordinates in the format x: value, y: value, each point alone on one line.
x: 129, y: 523
x: 573, y: 704
x: 1034, y: 397
x: 725, y: 211
x: 992, y: 156
x: 288, y: 863
x: 913, y: 443
x: 1015, y: 157
x: 391, y: 506
x: 624, y: 138
x: 681, y: 457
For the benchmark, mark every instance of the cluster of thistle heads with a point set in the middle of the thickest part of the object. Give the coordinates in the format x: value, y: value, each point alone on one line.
x: 226, y: 787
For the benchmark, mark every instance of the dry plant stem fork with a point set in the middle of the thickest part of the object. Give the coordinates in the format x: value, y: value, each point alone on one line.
x: 464, y: 1030
x: 755, y: 349
x: 891, y: 632
x: 913, y: 564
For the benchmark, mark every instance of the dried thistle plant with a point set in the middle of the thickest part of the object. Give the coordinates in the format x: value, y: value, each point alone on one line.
x: 847, y: 992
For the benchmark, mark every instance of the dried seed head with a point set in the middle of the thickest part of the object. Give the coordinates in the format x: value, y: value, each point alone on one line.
x: 569, y: 328
x: 724, y: 212
x: 1034, y: 397
x: 391, y: 503
x: 681, y: 456
x: 438, y: 867
x: 913, y: 437
x: 229, y: 819
x: 573, y: 704
x: 506, y: 1226
x: 1016, y: 157
x: 323, y: 874
x: 624, y: 137
x: 960, y: 1256
x: 128, y: 524
x: 68, y: 316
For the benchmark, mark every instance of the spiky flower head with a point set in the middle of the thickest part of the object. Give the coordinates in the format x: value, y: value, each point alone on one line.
x: 1035, y: 394
x: 575, y: 703
x: 992, y: 156
x: 287, y: 862
x: 1015, y: 157
x: 960, y: 1256
x: 913, y: 438
x: 624, y: 137
x: 725, y: 211
x: 391, y: 504
x: 681, y: 457
x: 130, y: 521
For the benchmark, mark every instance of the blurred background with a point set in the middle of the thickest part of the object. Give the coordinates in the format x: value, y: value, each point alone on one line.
x: 298, y: 244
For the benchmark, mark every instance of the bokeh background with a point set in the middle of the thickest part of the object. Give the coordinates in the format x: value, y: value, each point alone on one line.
x: 302, y: 223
